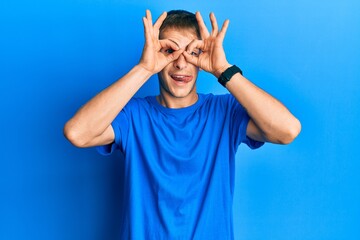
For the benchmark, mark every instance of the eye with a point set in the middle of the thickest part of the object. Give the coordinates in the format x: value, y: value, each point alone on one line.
x: 196, y: 52
x: 169, y: 51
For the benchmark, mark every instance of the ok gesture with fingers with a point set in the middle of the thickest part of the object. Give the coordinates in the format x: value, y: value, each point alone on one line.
x: 211, y: 57
x: 152, y: 59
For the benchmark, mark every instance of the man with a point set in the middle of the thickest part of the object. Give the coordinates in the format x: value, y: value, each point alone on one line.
x: 180, y: 146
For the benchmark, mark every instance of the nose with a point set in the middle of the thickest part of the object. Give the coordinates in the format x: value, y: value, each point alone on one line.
x: 181, y: 62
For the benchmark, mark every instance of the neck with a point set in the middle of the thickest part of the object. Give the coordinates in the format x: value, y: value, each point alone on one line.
x: 177, y: 102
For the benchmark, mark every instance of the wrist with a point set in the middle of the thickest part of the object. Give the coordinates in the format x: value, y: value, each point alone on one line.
x: 219, y: 71
x: 143, y: 70
x: 227, y: 75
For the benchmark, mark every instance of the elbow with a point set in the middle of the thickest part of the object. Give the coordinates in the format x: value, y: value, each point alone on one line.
x: 291, y: 132
x: 73, y: 135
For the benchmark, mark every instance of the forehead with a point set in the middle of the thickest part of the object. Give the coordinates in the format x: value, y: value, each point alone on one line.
x: 181, y: 37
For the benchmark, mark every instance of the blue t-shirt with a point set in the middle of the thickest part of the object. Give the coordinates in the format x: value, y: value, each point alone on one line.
x: 179, y: 166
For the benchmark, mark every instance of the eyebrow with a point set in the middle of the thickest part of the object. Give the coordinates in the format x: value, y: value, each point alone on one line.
x: 175, y: 43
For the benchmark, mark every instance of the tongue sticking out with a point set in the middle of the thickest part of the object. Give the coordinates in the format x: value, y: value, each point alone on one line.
x: 181, y: 78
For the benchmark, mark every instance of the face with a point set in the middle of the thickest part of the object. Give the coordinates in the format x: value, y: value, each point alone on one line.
x: 178, y: 78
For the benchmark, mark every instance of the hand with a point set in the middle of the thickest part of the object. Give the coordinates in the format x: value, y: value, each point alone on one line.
x: 211, y: 56
x: 153, y: 58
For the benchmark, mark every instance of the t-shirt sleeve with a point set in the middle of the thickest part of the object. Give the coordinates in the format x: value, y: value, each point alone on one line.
x: 240, y: 119
x: 120, y: 127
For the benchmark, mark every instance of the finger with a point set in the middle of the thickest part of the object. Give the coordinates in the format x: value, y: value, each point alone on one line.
x: 170, y: 44
x: 147, y: 32
x: 158, y: 23
x: 148, y: 16
x: 224, y: 29
x: 166, y: 44
x: 195, y: 46
x: 214, y: 24
x: 160, y: 20
x: 204, y: 33
x: 175, y: 55
x: 191, y: 58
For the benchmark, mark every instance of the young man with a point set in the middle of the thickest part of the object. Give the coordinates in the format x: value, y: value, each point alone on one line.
x: 180, y: 146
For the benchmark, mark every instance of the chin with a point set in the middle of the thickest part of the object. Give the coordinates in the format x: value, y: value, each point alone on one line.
x: 179, y: 95
x: 182, y: 93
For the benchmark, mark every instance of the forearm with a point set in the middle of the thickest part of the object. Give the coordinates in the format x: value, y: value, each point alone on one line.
x: 96, y: 115
x: 274, y: 120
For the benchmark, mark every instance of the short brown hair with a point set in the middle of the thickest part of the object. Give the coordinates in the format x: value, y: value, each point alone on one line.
x: 181, y: 19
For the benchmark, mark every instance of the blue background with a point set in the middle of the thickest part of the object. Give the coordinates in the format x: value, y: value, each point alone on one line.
x: 55, y: 55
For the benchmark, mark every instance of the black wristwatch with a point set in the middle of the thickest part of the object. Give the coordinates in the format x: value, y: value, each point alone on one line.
x: 227, y: 74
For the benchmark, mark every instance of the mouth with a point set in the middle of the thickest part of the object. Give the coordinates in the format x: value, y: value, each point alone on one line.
x: 181, y: 79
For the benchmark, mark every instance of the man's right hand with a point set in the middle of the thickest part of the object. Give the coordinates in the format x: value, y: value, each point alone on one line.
x: 91, y: 125
x: 153, y: 58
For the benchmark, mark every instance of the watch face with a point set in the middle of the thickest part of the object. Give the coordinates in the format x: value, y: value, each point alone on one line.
x: 222, y: 80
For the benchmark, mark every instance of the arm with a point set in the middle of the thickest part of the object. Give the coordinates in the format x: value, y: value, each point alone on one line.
x: 91, y: 125
x: 270, y: 120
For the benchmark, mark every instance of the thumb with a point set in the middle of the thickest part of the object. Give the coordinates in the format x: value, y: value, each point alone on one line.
x: 191, y: 58
x: 175, y: 55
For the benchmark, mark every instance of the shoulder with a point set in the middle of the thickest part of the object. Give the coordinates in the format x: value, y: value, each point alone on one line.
x: 139, y: 102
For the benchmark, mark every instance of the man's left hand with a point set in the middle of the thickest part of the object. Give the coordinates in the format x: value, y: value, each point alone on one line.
x: 208, y: 53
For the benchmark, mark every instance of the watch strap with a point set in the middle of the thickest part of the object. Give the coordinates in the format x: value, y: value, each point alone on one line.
x: 227, y: 74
